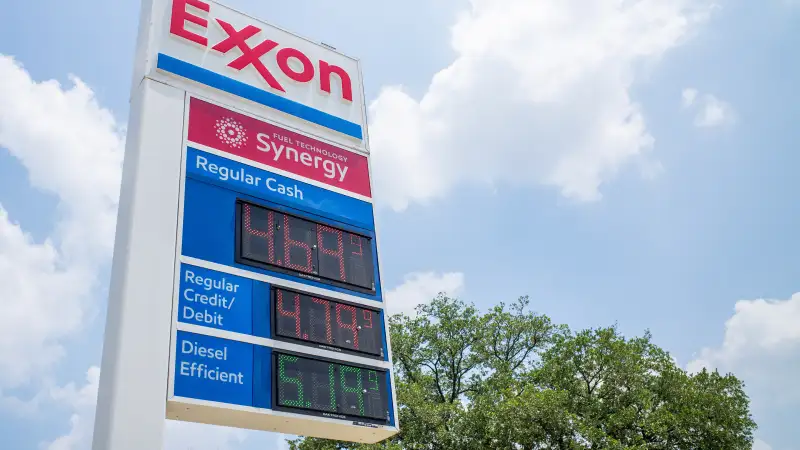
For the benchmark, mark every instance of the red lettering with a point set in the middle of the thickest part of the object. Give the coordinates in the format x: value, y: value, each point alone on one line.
x: 283, y: 62
x: 325, y: 72
x: 338, y: 253
x: 269, y: 235
x: 250, y: 56
x: 289, y: 243
x: 180, y: 16
x: 293, y: 314
x: 358, y: 243
x: 352, y: 326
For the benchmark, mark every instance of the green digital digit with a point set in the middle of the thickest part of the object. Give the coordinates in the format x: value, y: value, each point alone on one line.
x: 372, y: 376
x: 297, y: 381
x: 355, y: 389
x: 332, y: 384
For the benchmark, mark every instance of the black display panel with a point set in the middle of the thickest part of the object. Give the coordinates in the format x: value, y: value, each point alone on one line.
x: 329, y: 388
x: 312, y: 319
x: 275, y: 240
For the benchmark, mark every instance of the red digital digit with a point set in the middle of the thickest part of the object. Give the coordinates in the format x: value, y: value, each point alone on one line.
x: 289, y: 243
x: 348, y: 326
x: 294, y: 314
x: 269, y: 235
x: 367, y: 317
x: 358, y: 243
x: 338, y: 253
x: 327, y: 305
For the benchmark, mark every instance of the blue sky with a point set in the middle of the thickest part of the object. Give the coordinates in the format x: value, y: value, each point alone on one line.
x: 624, y: 163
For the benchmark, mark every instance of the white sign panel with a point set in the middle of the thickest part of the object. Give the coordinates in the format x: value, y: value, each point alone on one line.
x: 246, y: 287
x: 215, y: 46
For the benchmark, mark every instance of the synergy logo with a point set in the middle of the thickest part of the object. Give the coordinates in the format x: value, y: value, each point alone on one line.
x: 292, y: 63
x: 265, y: 143
x: 231, y: 132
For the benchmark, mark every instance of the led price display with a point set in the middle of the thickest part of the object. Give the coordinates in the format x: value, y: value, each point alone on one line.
x: 322, y: 321
x: 333, y: 388
x: 296, y: 245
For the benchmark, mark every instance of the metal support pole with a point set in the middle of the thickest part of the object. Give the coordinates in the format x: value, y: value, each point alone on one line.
x: 131, y: 403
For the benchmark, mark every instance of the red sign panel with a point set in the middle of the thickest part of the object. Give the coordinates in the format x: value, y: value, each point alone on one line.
x: 253, y: 139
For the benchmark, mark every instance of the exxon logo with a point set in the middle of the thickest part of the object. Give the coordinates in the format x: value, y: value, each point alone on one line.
x: 193, y: 11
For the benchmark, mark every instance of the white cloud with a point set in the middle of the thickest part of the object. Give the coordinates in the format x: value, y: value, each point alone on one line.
x: 422, y: 287
x: 82, y: 402
x: 539, y: 94
x: 715, y: 112
x: 761, y: 346
x: 711, y: 111
x: 689, y: 95
x: 72, y: 148
x: 41, y: 301
x: 765, y: 330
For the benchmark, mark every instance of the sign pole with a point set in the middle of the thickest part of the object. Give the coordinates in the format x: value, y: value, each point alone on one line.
x: 131, y: 405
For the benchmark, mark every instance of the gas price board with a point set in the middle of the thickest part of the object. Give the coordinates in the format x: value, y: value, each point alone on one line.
x: 278, y: 318
x: 290, y: 244
x: 308, y: 318
x: 327, y: 386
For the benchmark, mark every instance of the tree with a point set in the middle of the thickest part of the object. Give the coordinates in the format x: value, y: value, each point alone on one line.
x: 511, y: 379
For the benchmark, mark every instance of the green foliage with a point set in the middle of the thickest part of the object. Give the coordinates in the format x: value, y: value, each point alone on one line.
x: 510, y: 379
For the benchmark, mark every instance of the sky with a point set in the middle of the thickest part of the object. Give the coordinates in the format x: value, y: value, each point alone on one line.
x: 629, y: 162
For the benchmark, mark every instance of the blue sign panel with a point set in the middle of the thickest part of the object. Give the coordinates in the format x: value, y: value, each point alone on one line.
x: 213, y: 369
x: 232, y: 303
x: 209, y: 232
x: 214, y: 299
x: 238, y: 216
x: 277, y: 188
